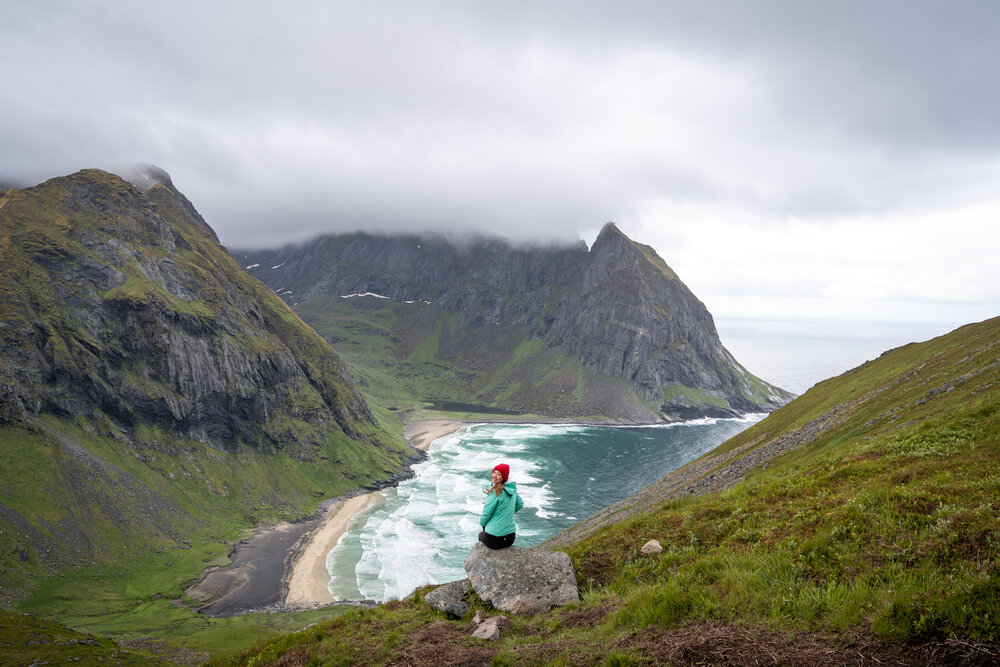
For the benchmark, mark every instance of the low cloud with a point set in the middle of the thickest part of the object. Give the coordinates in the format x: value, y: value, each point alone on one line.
x: 792, y: 150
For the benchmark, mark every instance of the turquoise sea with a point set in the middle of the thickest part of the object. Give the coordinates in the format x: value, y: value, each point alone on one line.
x: 423, y: 530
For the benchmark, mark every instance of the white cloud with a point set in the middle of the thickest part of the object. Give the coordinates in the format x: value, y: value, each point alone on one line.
x: 823, y: 159
x: 919, y: 266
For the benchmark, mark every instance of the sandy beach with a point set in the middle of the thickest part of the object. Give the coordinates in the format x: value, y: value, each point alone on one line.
x: 420, y: 435
x: 308, y: 582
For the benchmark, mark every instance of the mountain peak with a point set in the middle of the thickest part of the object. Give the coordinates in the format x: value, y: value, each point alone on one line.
x: 623, y: 252
x: 608, y: 231
x: 120, y: 261
x: 144, y: 176
x: 646, y: 347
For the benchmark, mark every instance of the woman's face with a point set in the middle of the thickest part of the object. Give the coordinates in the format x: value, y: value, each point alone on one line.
x: 497, y: 477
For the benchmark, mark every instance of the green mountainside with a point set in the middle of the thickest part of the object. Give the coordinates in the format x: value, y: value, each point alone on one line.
x: 609, y: 333
x: 156, y: 401
x: 856, y: 525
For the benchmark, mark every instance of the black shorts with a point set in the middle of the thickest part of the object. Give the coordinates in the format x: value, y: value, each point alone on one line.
x: 494, y: 542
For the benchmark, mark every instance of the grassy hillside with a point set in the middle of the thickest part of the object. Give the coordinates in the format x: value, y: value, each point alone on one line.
x: 857, y: 524
x: 156, y: 404
x: 30, y: 640
x: 405, y: 355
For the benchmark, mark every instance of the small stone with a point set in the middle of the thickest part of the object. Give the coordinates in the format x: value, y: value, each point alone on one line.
x: 650, y: 548
x: 491, y: 628
x: 478, y: 618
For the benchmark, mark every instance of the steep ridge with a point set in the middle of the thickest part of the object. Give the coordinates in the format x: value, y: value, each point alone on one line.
x: 124, y: 302
x: 556, y: 330
x: 896, y: 398
x: 151, y: 391
x: 857, y: 524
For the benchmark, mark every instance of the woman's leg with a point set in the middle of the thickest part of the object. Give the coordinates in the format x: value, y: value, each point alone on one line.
x: 494, y: 542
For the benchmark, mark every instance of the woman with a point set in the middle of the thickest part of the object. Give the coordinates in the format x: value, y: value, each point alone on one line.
x: 497, y: 518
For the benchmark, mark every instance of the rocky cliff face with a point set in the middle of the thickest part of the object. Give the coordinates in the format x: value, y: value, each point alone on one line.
x: 120, y: 301
x: 617, y: 308
x: 152, y: 393
x: 628, y: 315
x: 483, y: 280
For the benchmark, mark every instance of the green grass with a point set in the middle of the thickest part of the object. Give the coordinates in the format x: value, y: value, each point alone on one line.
x: 26, y: 640
x: 160, y: 628
x: 677, y: 394
x: 179, y: 626
x: 140, y: 290
x: 128, y: 592
x: 887, y: 521
x: 109, y: 515
x: 884, y: 525
x: 404, y: 355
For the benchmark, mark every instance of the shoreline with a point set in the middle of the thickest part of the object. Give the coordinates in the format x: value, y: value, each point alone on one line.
x: 309, y: 580
x: 283, y: 567
x: 308, y: 583
x: 420, y: 435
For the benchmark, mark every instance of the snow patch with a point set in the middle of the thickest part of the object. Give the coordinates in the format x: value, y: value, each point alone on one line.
x: 278, y: 266
x: 351, y: 296
x: 252, y: 266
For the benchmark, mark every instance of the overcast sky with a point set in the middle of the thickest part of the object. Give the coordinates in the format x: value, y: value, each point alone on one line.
x: 790, y: 160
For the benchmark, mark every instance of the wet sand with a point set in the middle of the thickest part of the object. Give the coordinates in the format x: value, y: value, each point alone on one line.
x: 308, y: 584
x: 284, y: 566
x: 309, y: 580
x: 420, y: 435
x: 254, y: 578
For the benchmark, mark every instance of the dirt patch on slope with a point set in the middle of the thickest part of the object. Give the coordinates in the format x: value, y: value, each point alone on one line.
x: 445, y: 644
x: 714, y: 643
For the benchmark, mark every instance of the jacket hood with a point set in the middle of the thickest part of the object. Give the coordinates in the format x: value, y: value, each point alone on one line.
x: 510, y: 488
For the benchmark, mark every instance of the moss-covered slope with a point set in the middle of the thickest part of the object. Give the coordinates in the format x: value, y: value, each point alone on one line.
x: 406, y: 355
x: 856, y: 525
x: 152, y: 393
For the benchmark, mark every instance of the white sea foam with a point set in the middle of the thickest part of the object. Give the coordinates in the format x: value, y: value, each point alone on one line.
x: 427, y: 524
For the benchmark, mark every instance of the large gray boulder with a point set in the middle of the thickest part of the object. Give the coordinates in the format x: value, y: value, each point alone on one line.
x: 521, y: 581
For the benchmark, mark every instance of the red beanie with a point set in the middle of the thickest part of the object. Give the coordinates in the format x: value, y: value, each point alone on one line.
x: 504, y: 470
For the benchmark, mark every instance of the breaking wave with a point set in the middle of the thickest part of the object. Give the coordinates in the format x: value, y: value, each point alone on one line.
x: 421, y: 530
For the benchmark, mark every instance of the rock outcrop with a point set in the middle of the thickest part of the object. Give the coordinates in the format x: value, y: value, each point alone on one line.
x: 522, y: 581
x: 122, y: 302
x: 450, y: 598
x: 651, y: 548
x: 647, y: 348
x: 157, y: 392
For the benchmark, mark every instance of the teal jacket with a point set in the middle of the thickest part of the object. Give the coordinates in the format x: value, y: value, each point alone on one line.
x: 497, y: 518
